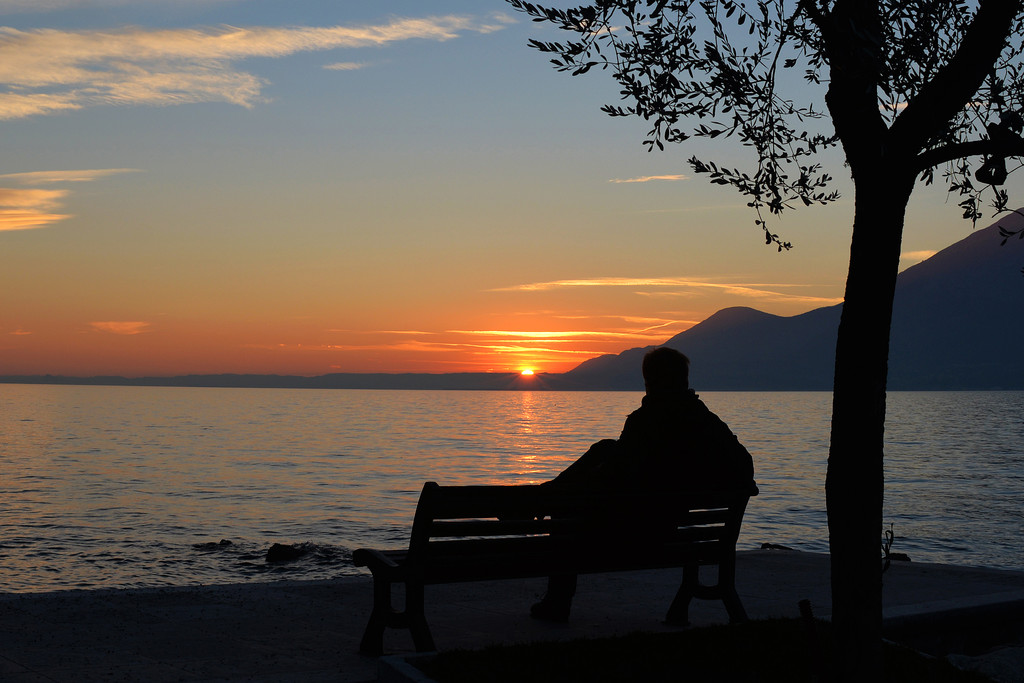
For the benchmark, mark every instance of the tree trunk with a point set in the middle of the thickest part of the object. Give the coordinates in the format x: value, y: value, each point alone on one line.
x: 854, y: 483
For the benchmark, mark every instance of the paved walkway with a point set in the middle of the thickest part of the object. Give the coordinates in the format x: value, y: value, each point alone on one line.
x: 309, y: 631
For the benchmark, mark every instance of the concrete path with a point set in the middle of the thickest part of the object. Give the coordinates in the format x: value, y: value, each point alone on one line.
x: 309, y: 631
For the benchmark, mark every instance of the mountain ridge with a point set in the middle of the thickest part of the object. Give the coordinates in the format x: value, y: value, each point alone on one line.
x: 953, y: 315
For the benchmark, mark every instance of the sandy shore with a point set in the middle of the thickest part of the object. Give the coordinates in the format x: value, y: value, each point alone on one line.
x: 309, y: 631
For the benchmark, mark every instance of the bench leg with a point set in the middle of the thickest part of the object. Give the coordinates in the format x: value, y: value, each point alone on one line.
x: 372, y: 643
x: 678, y: 612
x: 414, y: 612
x: 691, y: 587
x: 727, y: 588
x: 733, y: 605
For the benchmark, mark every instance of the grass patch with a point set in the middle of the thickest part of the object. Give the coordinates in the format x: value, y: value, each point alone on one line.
x: 756, y: 651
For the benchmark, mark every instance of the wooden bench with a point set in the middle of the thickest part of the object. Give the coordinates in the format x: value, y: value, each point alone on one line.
x: 475, y: 533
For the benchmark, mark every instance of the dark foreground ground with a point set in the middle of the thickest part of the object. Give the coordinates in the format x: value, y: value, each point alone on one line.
x: 309, y: 631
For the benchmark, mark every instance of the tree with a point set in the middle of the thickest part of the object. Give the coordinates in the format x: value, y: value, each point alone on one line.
x: 910, y: 87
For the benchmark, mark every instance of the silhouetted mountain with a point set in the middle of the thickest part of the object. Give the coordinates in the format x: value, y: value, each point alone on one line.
x: 736, y: 349
x: 958, y: 319
x: 956, y: 322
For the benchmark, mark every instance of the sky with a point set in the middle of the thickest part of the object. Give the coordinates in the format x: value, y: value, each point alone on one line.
x: 318, y: 186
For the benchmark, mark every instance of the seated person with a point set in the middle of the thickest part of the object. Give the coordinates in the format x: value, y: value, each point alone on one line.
x: 671, y: 442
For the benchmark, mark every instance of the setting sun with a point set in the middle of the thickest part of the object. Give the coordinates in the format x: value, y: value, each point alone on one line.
x: 527, y: 371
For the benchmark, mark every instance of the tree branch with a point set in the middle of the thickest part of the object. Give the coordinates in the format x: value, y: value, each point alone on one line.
x: 956, y: 83
x: 817, y: 17
x: 962, y: 150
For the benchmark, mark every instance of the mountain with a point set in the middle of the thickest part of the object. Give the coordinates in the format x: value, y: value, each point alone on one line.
x: 957, y: 324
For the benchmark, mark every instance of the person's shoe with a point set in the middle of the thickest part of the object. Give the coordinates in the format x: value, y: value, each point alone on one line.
x: 551, y: 610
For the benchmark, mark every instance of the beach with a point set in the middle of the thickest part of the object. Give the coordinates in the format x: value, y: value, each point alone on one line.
x: 310, y: 630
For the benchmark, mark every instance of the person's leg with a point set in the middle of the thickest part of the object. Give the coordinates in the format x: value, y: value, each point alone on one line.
x: 557, y: 602
x: 581, y: 471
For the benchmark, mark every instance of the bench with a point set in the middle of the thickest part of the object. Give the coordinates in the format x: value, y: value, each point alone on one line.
x: 475, y: 533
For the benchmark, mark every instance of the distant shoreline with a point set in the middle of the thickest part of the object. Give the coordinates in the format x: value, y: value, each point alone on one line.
x: 403, y: 381
x: 466, y: 381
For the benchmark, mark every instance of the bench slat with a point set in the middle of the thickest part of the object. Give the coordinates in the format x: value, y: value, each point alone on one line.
x: 501, y: 527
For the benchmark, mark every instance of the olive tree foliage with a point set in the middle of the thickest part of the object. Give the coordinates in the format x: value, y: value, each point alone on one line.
x: 723, y: 68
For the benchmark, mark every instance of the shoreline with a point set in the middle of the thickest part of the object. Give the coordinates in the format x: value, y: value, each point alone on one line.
x: 467, y: 381
x: 364, y: 576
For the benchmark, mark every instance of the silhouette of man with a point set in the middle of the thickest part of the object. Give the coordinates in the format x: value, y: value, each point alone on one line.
x: 671, y: 442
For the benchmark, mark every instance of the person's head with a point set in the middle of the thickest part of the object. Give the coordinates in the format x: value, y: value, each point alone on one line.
x: 666, y: 371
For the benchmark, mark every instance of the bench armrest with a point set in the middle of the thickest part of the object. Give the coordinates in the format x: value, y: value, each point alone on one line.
x: 374, y: 559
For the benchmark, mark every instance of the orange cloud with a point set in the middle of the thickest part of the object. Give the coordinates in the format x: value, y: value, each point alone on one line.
x: 27, y: 208
x: 649, y: 178
x: 683, y: 287
x: 120, y: 327
x: 558, y: 336
x: 403, y: 332
x: 909, y: 258
x: 23, y: 209
x: 26, y: 220
x: 30, y: 199
x: 651, y: 323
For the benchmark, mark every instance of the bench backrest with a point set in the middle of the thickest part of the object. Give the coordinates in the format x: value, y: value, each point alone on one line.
x: 532, y: 530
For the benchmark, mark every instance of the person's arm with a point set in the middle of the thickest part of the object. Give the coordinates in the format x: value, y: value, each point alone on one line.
x: 738, y: 464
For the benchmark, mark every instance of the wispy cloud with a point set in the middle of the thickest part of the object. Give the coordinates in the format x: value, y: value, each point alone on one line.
x: 909, y: 258
x: 432, y: 347
x: 649, y: 321
x: 14, y: 6
x: 457, y: 338
x: 30, y: 199
x: 23, y: 208
x: 676, y: 286
x: 120, y: 326
x: 400, y: 332
x: 649, y: 178
x: 563, y: 336
x: 594, y: 282
x: 77, y: 176
x: 44, y: 71
x: 346, y: 66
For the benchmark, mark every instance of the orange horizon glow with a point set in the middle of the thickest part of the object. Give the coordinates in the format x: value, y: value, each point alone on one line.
x: 171, y: 346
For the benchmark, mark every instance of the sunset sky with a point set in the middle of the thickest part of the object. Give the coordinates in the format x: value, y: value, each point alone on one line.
x: 315, y: 186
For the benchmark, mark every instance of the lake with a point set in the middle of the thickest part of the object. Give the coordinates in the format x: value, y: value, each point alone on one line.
x: 151, y: 486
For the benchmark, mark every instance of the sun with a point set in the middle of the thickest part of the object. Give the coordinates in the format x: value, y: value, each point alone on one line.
x: 526, y: 372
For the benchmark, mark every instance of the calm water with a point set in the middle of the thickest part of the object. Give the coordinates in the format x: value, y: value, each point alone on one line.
x: 125, y: 486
